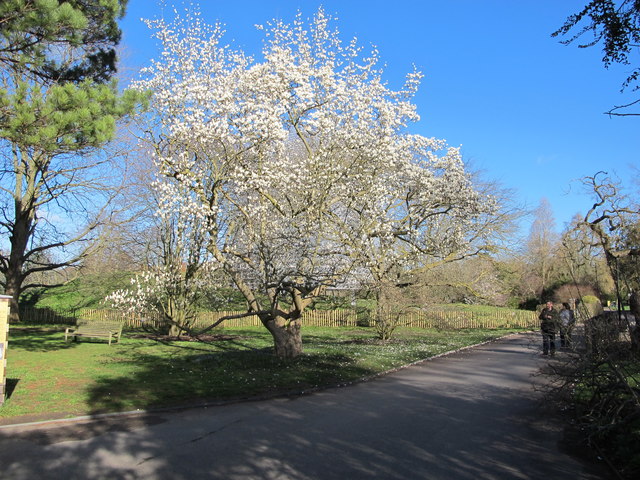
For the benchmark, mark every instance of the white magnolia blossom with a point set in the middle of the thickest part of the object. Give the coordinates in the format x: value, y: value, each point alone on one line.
x: 180, y: 270
x: 299, y: 164
x: 151, y: 289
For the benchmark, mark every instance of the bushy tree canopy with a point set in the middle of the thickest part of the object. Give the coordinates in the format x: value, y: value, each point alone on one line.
x: 300, y: 164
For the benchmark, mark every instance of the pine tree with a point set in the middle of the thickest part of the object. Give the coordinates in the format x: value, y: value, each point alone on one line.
x: 59, y: 103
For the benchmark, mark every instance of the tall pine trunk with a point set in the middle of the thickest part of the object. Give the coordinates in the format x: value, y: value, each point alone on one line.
x: 14, y: 278
x: 19, y: 239
x: 14, y: 308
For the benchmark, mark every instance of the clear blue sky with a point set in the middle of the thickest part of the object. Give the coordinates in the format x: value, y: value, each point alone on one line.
x: 525, y: 109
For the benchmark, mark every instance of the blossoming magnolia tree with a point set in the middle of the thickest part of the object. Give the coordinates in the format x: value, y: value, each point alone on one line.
x: 299, y: 164
x: 180, y: 271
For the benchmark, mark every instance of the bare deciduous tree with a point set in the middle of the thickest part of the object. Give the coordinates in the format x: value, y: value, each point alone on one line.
x: 541, y: 248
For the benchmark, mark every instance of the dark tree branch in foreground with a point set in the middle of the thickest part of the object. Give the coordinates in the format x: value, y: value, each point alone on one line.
x: 615, y: 24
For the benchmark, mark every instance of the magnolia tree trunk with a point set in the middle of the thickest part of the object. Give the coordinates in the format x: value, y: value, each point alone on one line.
x: 174, y: 330
x: 287, y: 336
x: 179, y: 317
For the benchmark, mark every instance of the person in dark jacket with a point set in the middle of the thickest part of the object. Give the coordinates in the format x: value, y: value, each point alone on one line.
x: 548, y: 327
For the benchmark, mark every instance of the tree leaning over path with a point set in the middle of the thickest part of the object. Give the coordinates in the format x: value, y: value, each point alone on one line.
x: 300, y: 164
x: 58, y: 105
x: 614, y: 220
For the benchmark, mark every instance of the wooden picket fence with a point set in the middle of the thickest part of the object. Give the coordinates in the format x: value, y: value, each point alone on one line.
x: 440, y: 319
x: 456, y: 320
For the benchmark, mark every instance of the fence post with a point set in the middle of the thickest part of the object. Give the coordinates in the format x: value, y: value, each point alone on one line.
x: 4, y: 338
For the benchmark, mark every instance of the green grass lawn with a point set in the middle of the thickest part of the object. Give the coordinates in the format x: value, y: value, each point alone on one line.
x: 47, y: 377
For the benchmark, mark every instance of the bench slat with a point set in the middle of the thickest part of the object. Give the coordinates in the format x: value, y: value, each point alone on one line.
x: 85, y: 328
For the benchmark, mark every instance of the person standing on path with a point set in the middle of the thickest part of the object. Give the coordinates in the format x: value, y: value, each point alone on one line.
x: 548, y: 326
x: 567, y: 319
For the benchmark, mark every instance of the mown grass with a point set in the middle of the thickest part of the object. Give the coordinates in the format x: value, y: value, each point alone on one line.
x: 48, y: 377
x: 87, y: 291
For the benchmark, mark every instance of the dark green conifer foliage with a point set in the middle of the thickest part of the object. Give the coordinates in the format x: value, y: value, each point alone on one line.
x: 59, y: 103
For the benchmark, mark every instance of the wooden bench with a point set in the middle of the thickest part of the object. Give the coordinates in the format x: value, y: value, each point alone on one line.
x: 94, y: 329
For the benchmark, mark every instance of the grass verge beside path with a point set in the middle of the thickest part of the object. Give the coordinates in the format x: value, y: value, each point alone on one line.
x: 48, y: 378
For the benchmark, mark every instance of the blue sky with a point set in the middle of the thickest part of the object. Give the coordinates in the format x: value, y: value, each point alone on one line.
x: 525, y: 109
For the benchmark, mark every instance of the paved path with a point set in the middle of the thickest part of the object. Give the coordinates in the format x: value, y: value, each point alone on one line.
x: 469, y: 415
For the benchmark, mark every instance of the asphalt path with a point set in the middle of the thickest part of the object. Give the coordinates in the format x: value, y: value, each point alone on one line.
x: 474, y: 414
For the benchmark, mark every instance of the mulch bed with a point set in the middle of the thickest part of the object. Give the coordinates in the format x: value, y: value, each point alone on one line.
x: 187, y: 338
